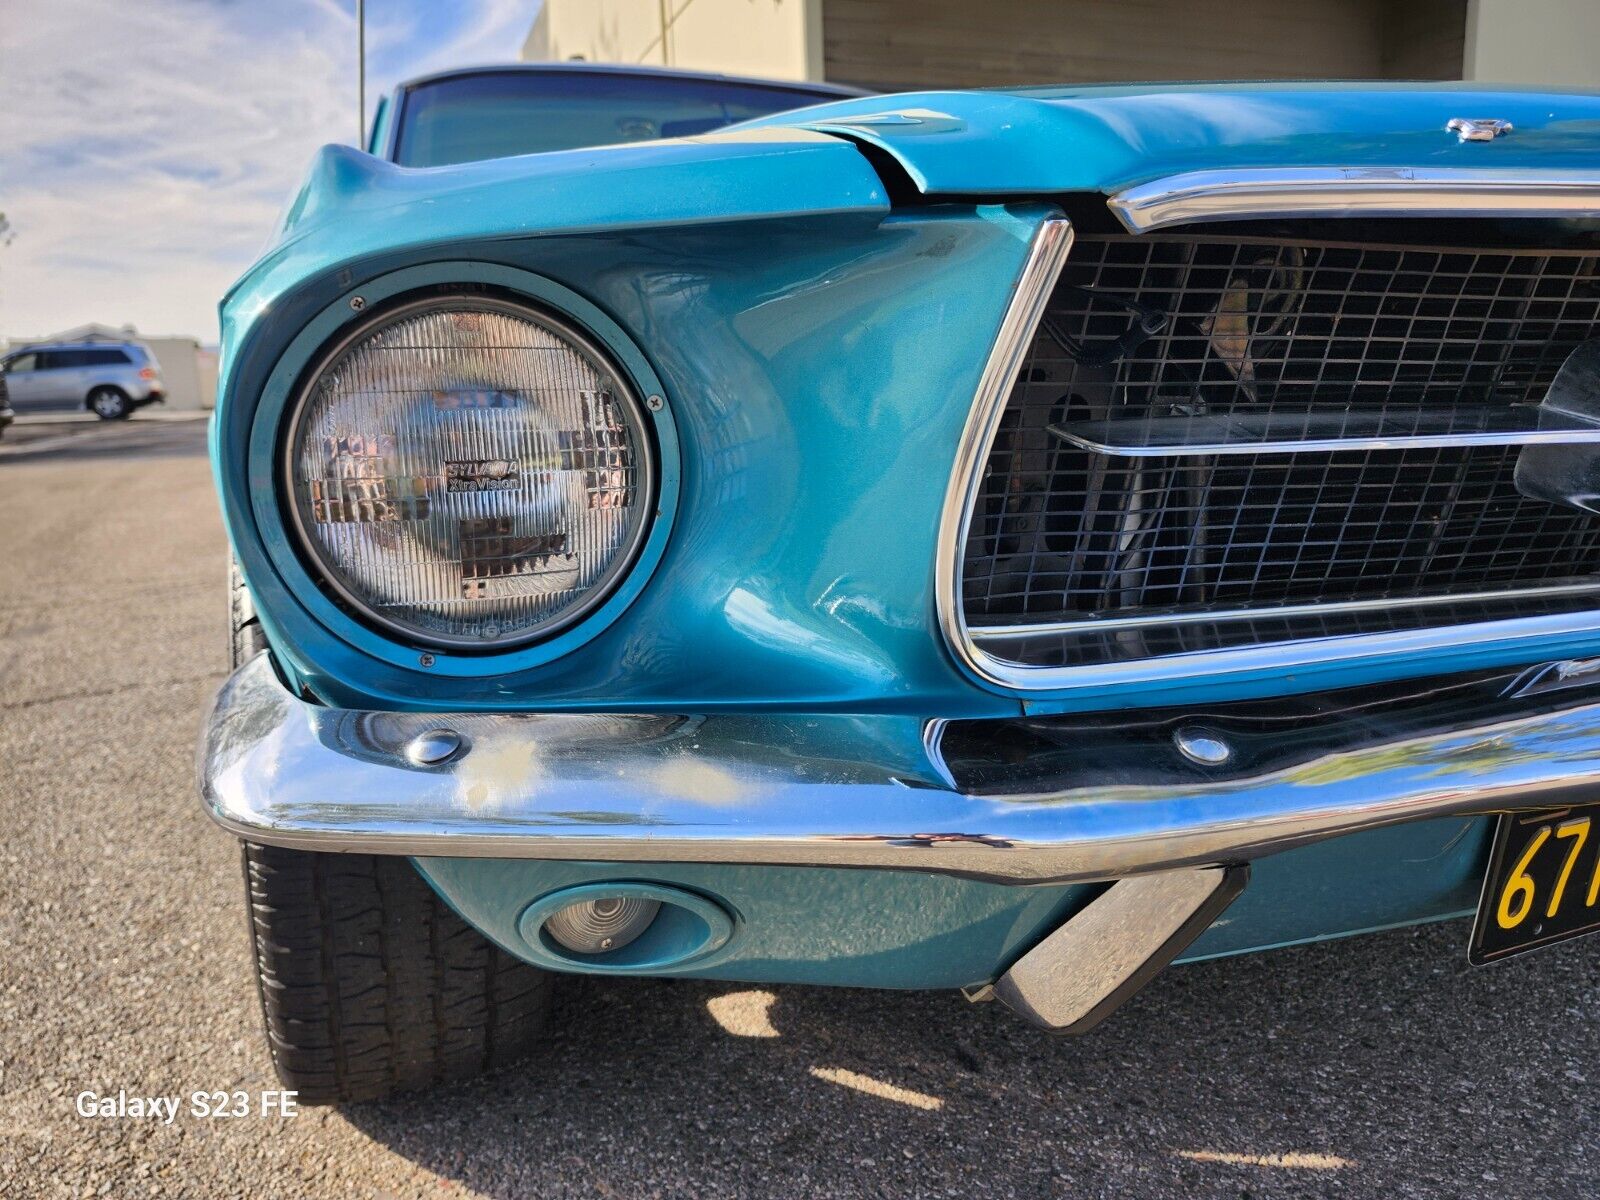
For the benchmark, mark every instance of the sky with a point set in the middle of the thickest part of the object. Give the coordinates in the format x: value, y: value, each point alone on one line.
x: 147, y: 146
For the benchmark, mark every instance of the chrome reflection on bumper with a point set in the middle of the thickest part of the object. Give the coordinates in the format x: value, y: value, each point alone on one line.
x: 837, y: 791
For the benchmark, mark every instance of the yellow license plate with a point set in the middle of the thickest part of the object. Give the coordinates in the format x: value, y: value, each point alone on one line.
x: 1542, y: 885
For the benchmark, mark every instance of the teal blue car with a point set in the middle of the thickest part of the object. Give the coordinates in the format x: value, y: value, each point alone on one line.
x: 1009, y: 541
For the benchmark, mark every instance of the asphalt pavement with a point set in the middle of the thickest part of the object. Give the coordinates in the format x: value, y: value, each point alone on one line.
x: 1379, y: 1066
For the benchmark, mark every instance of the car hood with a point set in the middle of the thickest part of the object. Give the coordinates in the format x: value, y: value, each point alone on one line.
x: 1064, y: 139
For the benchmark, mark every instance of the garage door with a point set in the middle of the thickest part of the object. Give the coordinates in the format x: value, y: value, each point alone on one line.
x: 895, y: 45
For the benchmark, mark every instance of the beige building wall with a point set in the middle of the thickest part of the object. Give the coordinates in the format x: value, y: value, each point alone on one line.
x: 206, y: 362
x: 905, y: 44
x: 778, y: 39
x: 179, y: 361
x: 1541, y: 42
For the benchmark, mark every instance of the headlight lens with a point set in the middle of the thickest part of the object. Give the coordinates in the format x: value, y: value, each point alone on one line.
x: 470, y: 473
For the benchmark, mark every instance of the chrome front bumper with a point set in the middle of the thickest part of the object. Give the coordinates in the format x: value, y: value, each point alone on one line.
x: 841, y: 791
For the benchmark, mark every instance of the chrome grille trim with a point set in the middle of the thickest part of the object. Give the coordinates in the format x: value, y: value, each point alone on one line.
x: 982, y: 648
x: 1260, y: 193
x: 996, y: 633
x: 1051, y: 243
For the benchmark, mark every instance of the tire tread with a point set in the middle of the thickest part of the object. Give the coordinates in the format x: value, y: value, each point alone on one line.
x: 371, y: 985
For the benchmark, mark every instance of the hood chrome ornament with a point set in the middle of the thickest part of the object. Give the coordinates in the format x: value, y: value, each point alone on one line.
x: 1477, y: 129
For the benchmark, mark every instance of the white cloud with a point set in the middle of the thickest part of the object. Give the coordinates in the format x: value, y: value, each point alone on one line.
x: 147, y: 148
x: 490, y: 31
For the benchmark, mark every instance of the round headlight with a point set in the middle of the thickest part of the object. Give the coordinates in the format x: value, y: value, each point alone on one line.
x: 470, y: 473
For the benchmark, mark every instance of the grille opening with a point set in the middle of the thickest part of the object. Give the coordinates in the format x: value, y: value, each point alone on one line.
x: 1146, y: 335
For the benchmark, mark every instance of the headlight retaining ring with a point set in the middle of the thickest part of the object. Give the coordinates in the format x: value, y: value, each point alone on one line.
x: 343, y: 323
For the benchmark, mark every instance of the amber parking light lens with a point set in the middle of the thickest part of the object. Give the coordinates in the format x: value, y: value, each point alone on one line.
x: 470, y: 473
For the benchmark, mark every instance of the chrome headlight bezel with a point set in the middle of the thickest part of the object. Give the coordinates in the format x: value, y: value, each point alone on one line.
x: 643, y: 423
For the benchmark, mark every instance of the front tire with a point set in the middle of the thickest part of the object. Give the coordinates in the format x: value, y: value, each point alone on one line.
x: 110, y: 404
x: 369, y: 983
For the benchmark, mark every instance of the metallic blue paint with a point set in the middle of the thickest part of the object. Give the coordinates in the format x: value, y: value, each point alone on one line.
x: 904, y: 929
x: 382, y: 129
x: 813, y: 415
x: 894, y: 929
x: 819, y: 354
x: 353, y: 205
x: 1044, y: 141
x: 1358, y: 884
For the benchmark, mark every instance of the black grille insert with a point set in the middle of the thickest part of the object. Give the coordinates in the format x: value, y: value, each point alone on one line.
x: 1275, y: 333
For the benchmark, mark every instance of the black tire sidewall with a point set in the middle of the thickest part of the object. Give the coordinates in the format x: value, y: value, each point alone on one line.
x: 333, y: 935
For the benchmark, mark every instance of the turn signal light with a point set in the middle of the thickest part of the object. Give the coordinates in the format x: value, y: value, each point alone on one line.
x: 599, y: 926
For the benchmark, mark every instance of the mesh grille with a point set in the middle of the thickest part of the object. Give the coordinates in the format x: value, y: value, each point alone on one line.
x: 1200, y: 328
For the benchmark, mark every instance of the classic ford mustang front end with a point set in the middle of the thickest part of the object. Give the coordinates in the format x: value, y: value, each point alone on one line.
x: 953, y: 540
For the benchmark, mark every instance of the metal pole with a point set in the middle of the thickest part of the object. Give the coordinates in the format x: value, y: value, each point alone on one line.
x: 361, y: 74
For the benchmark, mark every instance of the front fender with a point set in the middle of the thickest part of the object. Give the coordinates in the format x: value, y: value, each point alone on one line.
x: 818, y: 369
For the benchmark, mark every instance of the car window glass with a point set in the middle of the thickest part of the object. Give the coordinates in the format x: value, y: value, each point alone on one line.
x: 21, y: 363
x: 49, y: 360
x: 107, y: 357
x: 474, y: 117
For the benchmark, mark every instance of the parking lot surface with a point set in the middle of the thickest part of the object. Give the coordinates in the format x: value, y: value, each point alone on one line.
x: 1378, y: 1066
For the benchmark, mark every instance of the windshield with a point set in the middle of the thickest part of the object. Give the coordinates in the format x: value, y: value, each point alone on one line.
x: 470, y: 117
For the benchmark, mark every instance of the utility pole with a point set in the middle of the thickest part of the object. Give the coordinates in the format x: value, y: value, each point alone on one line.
x: 361, y: 74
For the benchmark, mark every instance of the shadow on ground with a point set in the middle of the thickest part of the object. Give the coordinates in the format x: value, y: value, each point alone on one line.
x: 102, y: 441
x: 1380, y: 1065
